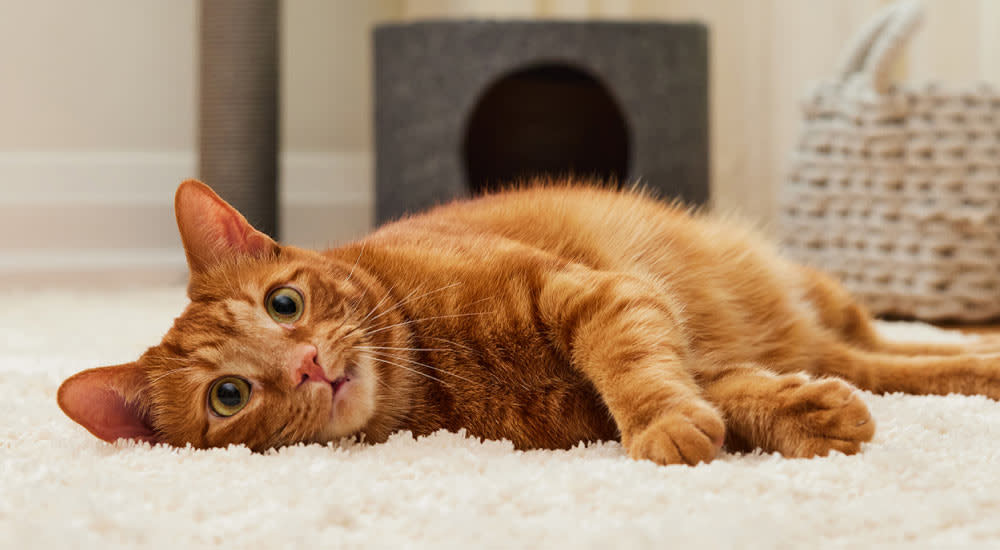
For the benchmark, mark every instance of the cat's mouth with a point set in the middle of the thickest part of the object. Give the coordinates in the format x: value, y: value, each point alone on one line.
x: 339, y: 383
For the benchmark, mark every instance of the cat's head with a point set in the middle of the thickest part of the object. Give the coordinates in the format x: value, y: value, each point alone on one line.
x: 268, y: 352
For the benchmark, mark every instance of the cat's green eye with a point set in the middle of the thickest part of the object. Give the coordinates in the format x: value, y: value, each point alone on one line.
x: 284, y: 305
x: 228, y: 395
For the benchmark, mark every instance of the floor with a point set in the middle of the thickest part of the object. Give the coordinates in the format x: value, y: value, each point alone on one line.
x: 930, y: 478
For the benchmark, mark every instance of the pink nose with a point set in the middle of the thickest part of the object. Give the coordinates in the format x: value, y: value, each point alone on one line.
x: 306, y: 368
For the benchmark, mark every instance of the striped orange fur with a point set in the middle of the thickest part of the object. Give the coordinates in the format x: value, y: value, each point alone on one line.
x: 547, y: 315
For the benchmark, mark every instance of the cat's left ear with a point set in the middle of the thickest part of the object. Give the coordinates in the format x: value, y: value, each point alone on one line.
x: 214, y: 232
x: 111, y: 402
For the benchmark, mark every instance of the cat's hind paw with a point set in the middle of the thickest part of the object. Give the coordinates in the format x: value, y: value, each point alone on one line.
x: 822, y: 416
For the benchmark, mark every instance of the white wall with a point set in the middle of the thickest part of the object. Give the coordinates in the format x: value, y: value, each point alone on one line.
x: 98, y: 107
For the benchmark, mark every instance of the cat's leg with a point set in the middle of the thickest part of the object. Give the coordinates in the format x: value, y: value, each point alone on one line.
x: 970, y: 374
x: 982, y: 344
x: 788, y: 413
x: 624, y: 336
x: 837, y: 311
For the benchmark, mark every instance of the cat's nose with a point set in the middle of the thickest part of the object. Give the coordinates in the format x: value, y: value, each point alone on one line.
x: 306, y: 367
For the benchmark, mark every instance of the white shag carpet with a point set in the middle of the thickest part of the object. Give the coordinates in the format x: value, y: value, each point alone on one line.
x: 931, y: 477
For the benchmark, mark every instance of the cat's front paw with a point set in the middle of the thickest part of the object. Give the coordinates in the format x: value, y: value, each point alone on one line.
x: 822, y: 416
x: 690, y: 435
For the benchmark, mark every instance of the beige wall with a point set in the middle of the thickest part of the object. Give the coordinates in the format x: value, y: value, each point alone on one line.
x: 97, y: 75
x: 113, y: 75
x: 326, y: 64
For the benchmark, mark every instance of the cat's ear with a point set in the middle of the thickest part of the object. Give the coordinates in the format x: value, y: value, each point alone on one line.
x: 111, y: 402
x: 212, y: 231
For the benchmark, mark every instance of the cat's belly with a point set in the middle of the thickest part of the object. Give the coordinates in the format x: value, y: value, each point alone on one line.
x: 545, y: 412
x: 556, y: 418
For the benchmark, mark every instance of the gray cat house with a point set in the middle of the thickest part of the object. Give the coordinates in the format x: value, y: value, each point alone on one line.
x: 467, y: 106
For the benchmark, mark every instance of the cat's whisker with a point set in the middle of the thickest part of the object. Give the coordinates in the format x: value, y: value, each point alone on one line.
x: 412, y: 362
x: 375, y: 307
x: 382, y: 382
x: 295, y: 430
x: 354, y: 308
x: 481, y: 300
x: 408, y: 299
x: 356, y: 260
x: 463, y: 346
x: 399, y: 349
x: 347, y: 315
x: 275, y: 437
x: 398, y: 302
x: 354, y: 305
x: 404, y: 367
x: 168, y: 373
x: 173, y: 359
x: 412, y: 321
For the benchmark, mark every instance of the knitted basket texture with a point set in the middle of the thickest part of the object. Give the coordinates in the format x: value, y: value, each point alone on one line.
x: 895, y: 189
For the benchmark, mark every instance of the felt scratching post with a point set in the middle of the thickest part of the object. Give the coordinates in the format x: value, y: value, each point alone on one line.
x: 467, y: 106
x: 238, y: 109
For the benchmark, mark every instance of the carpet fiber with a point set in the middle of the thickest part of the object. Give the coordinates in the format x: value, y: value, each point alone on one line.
x: 931, y: 477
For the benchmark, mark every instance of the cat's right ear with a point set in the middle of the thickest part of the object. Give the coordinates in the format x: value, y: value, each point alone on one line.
x: 111, y: 402
x: 212, y: 231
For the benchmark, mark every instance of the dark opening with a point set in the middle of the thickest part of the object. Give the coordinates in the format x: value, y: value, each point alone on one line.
x: 549, y: 119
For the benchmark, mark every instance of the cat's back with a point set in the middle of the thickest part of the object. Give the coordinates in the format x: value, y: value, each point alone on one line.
x: 603, y: 228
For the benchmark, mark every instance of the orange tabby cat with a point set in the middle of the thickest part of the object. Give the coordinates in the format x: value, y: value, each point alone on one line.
x: 545, y: 316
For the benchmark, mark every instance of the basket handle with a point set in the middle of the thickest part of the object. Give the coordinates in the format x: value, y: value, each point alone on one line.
x: 875, y: 47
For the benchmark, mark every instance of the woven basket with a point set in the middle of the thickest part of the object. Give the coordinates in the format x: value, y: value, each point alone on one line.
x: 896, y: 189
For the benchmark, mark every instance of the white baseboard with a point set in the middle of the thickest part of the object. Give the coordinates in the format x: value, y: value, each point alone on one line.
x: 107, y: 217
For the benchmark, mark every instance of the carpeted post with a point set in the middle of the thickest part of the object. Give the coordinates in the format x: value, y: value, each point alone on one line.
x: 238, y: 109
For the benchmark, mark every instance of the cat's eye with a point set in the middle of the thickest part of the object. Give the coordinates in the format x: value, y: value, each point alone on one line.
x: 228, y: 395
x: 284, y: 305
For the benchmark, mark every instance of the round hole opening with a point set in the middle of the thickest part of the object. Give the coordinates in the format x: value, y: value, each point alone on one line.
x: 545, y: 121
